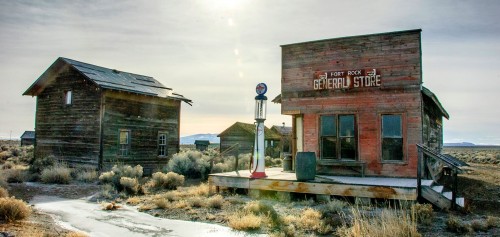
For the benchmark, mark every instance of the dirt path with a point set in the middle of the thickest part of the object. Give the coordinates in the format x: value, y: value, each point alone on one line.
x: 81, y: 215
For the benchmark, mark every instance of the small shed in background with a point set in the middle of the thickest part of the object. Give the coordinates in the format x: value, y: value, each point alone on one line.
x: 28, y: 138
x: 202, y: 145
x: 244, y: 135
x: 286, y: 137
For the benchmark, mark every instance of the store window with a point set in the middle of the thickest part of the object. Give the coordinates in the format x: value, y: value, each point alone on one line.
x: 162, y: 144
x: 124, y: 142
x: 392, y: 137
x: 338, y: 137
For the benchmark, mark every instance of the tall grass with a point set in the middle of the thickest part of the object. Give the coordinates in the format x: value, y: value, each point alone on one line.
x: 12, y: 209
x: 58, y: 174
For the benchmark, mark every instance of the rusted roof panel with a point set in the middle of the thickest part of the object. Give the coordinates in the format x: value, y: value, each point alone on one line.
x: 108, y: 79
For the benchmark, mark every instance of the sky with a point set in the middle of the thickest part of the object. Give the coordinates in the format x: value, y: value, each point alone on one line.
x: 216, y: 51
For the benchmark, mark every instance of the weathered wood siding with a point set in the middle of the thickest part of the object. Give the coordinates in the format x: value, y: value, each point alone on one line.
x: 69, y: 132
x: 241, y: 137
x: 432, y: 126
x: 145, y: 117
x: 398, y: 57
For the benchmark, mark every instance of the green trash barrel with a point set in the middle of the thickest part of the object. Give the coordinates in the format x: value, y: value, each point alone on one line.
x: 305, y: 166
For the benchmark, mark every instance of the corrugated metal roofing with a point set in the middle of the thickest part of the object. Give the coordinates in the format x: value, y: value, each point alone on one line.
x: 108, y: 79
x: 28, y: 135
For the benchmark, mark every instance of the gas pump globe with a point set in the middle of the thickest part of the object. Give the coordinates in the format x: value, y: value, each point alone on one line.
x: 258, y: 159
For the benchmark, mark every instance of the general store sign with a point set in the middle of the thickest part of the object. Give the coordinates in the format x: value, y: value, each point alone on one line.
x: 347, y: 79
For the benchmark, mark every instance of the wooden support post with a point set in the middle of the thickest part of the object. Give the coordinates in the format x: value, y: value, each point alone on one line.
x: 419, y: 173
x: 454, y: 190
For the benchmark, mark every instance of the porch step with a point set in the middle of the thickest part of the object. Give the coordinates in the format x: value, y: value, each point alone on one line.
x: 438, y: 189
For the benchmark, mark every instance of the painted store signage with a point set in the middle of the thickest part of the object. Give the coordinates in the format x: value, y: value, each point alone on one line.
x: 346, y: 79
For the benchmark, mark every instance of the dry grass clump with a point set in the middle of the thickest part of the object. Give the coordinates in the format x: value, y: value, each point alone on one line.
x: 12, y: 209
x: 3, y: 193
x: 162, y: 203
x: 456, y: 225
x: 87, y: 176
x: 215, y: 201
x: 107, y: 177
x: 333, y: 206
x: 200, y: 190
x: 308, y: 220
x: 181, y: 204
x: 196, y: 201
x: 76, y: 234
x: 58, y: 174
x: 244, y: 221
x: 133, y: 201
x: 423, y: 212
x: 169, y: 180
x: 493, y: 221
x: 389, y: 222
x: 130, y: 185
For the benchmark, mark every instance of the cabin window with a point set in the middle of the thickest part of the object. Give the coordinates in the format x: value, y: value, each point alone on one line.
x: 124, y: 142
x: 162, y: 144
x: 68, y: 97
x: 338, y: 137
x: 392, y: 137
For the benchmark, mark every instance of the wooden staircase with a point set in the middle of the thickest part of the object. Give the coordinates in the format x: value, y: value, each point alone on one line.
x: 435, y: 194
x: 430, y: 186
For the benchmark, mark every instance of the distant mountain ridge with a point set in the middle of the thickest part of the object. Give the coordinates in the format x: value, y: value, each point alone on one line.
x: 459, y: 144
x: 187, y: 140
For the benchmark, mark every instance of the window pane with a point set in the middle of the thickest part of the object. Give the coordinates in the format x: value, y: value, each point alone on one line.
x: 124, y: 137
x: 68, y: 97
x: 346, y: 124
x: 391, y: 126
x: 347, y: 148
x: 392, y: 149
x: 162, y: 140
x: 328, y: 126
x: 328, y: 147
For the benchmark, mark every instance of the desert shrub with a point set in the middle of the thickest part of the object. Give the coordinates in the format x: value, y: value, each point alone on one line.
x: 493, y: 221
x: 199, y: 190
x: 181, y: 204
x: 196, y: 201
x: 4, y: 155
x: 244, y: 221
x: 453, y: 224
x: 58, y: 174
x: 41, y: 162
x: 14, y: 175
x: 4, y: 148
x: 3, y: 193
x: 162, y: 203
x: 272, y: 162
x: 192, y: 164
x: 333, y: 206
x: 423, y: 212
x: 130, y: 185
x: 221, y: 168
x: 133, y: 201
x: 390, y: 222
x: 169, y: 180
x: 3, y: 180
x: 262, y: 208
x: 171, y: 196
x: 244, y: 161
x: 87, y: 176
x: 479, y: 225
x: 118, y: 171
x: 108, y: 191
x: 12, y: 209
x: 76, y: 234
x: 215, y: 201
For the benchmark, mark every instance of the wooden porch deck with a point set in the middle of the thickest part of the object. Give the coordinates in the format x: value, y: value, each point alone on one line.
x: 365, y: 187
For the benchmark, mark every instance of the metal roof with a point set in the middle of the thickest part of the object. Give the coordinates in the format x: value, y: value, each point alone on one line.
x: 28, y: 135
x: 433, y: 98
x: 107, y: 79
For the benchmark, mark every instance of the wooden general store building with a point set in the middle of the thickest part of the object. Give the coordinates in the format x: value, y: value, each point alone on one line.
x: 96, y: 116
x: 359, y: 103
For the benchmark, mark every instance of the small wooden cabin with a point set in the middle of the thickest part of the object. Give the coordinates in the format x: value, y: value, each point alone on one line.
x: 96, y: 116
x: 359, y: 103
x: 243, y: 134
x: 28, y: 138
x: 202, y: 145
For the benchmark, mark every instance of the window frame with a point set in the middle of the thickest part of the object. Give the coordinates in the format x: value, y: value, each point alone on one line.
x: 162, y: 148
x: 68, y: 98
x: 402, y: 137
x: 124, y: 148
x: 338, y: 137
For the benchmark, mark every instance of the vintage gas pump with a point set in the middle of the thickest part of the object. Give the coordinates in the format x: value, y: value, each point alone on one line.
x: 258, y: 161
